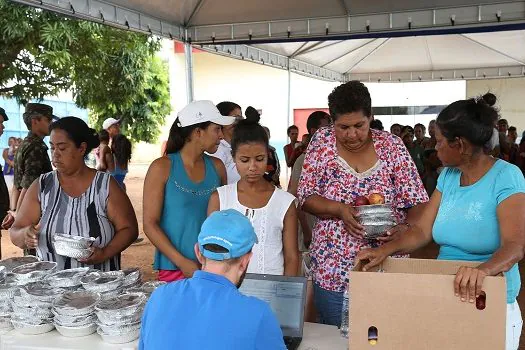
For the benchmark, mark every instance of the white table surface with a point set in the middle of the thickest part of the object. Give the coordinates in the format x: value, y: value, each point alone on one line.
x: 316, y: 337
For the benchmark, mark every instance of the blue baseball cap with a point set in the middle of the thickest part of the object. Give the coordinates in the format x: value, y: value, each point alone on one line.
x: 230, y: 230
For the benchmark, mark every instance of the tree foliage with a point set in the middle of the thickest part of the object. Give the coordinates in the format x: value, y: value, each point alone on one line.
x: 112, y: 72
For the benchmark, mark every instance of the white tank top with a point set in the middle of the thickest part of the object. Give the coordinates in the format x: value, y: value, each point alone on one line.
x: 268, y: 223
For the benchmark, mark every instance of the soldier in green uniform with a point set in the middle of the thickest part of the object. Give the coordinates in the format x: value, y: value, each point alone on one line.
x: 32, y: 158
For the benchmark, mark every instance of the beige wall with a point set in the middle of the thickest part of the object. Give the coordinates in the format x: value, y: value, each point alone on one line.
x: 511, y: 97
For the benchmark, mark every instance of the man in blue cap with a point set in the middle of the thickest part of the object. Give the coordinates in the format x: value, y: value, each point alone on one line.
x: 207, y: 311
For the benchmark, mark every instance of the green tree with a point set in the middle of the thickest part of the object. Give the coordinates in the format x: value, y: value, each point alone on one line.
x: 110, y: 71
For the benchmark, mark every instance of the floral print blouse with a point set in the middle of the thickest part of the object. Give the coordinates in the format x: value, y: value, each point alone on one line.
x: 333, y: 249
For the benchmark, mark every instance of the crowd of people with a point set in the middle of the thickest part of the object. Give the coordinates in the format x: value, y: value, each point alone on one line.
x: 214, y: 209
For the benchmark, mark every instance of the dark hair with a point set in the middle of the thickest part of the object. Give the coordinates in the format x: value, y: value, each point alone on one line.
x: 407, y: 127
x: 248, y: 131
x: 315, y: 119
x: 180, y: 135
x: 396, y: 124
x: 226, y: 107
x: 252, y: 114
x: 419, y: 125
x: 512, y: 128
x: 377, y: 125
x: 290, y: 128
x: 350, y: 97
x: 103, y: 136
x: 121, y: 148
x: 503, y: 121
x: 78, y: 131
x: 473, y: 119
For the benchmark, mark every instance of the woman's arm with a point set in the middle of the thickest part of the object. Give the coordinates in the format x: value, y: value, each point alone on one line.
x: 214, y: 204
x: 287, y: 156
x: 221, y: 170
x: 154, y: 186
x: 418, y: 235
x: 28, y: 216
x: 122, y: 215
x: 290, y: 247
x: 107, y: 159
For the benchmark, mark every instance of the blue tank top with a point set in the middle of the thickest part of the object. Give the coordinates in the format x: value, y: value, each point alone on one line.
x: 185, y: 209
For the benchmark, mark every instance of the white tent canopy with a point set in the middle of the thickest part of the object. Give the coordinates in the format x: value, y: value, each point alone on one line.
x: 404, y: 40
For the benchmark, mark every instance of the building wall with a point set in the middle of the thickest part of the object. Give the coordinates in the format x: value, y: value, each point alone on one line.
x: 511, y: 97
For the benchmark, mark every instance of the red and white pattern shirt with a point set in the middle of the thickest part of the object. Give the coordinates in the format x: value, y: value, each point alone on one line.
x: 326, y: 174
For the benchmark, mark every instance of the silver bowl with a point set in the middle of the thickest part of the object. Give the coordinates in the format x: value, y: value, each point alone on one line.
x: 377, y: 229
x: 374, y: 209
x: 33, y: 271
x: 64, y: 249
x: 73, y: 241
x: 103, y: 281
x: 67, y: 278
x: 11, y: 263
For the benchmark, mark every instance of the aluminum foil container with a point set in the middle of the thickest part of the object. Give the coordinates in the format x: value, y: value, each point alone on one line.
x: 30, y: 329
x: 11, y: 263
x: 119, y: 329
x: 73, y: 332
x: 111, y: 294
x: 5, y: 322
x: 8, y: 291
x: 132, y: 276
x: 40, y: 291
x: 3, y: 273
x: 74, y: 321
x: 76, y: 303
x: 124, y: 304
x: 73, y: 241
x: 29, y: 319
x: 29, y: 303
x: 67, y: 278
x: 110, y: 320
x: 120, y: 338
x: 377, y: 229
x: 149, y: 287
x: 33, y: 271
x: 33, y: 312
x: 102, y: 281
x: 64, y: 249
x: 5, y: 310
x: 373, y: 209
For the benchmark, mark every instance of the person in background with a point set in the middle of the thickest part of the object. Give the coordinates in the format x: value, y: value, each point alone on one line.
x: 289, y: 149
x: 377, y: 125
x: 477, y: 212
x: 181, y: 184
x: 430, y: 142
x: 224, y: 152
x: 514, y: 154
x: 503, y: 126
x: 343, y: 162
x: 4, y: 190
x: 273, y: 169
x: 271, y: 210
x: 31, y: 159
x: 105, y: 160
x: 9, y: 159
x: 76, y: 200
x: 432, y: 169
x: 315, y: 121
x: 395, y: 129
x: 112, y: 126
x: 512, y: 134
x: 419, y: 132
x: 415, y: 150
x: 121, y: 149
x: 207, y: 311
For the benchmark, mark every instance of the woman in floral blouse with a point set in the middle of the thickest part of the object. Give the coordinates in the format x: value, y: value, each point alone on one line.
x: 345, y: 161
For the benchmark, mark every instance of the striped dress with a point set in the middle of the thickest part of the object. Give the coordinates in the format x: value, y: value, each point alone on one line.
x: 85, y: 216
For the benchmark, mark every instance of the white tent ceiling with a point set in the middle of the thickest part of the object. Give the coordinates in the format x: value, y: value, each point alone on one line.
x: 334, y: 39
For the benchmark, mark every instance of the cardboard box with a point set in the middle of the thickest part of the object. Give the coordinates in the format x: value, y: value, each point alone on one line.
x: 411, y: 303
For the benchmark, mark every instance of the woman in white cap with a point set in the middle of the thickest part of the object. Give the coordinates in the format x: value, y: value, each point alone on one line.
x: 184, y: 180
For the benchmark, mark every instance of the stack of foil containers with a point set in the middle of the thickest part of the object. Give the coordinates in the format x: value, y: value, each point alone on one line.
x: 75, y: 313
x: 119, y: 318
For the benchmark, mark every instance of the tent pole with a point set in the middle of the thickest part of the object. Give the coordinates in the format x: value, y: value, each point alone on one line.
x: 290, y: 114
x: 189, y: 71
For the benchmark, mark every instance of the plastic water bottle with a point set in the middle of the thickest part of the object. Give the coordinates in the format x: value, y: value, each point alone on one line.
x: 344, y: 314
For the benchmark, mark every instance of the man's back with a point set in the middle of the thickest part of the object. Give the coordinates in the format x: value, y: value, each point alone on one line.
x: 207, y: 312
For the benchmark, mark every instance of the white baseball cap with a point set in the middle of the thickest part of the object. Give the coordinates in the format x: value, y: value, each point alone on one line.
x: 203, y: 111
x: 109, y: 122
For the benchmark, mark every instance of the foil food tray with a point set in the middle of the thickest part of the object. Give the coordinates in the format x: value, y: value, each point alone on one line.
x: 74, y: 241
x: 74, y: 332
x: 76, y: 303
x: 12, y: 263
x: 67, y: 278
x: 63, y: 248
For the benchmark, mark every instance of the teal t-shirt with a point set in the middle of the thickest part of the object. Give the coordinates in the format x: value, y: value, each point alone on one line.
x: 466, y: 226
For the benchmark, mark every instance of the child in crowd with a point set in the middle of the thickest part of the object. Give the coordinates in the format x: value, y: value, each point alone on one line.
x: 271, y: 210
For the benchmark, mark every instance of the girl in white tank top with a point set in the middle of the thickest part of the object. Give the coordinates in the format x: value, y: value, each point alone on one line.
x: 271, y: 210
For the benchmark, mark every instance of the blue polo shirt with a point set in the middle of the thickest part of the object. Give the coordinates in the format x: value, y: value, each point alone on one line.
x: 207, y: 311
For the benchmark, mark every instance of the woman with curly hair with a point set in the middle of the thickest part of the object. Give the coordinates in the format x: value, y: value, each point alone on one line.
x: 121, y: 148
x: 344, y: 161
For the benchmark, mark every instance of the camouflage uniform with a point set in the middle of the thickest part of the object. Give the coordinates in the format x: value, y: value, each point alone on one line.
x: 31, y: 161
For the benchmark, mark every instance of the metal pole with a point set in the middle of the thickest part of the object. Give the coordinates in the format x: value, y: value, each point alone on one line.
x: 290, y: 115
x: 189, y: 71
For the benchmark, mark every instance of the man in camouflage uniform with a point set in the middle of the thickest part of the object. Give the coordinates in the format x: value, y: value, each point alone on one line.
x: 32, y: 159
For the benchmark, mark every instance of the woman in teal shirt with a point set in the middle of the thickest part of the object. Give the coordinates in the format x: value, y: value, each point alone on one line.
x: 477, y: 212
x: 178, y: 187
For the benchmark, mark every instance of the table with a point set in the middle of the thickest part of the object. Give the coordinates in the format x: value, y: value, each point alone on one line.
x: 316, y: 337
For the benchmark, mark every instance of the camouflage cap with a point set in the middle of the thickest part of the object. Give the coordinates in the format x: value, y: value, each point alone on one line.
x: 37, y: 110
x: 2, y: 113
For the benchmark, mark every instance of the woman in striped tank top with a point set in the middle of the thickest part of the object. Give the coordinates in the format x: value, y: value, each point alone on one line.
x: 77, y: 200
